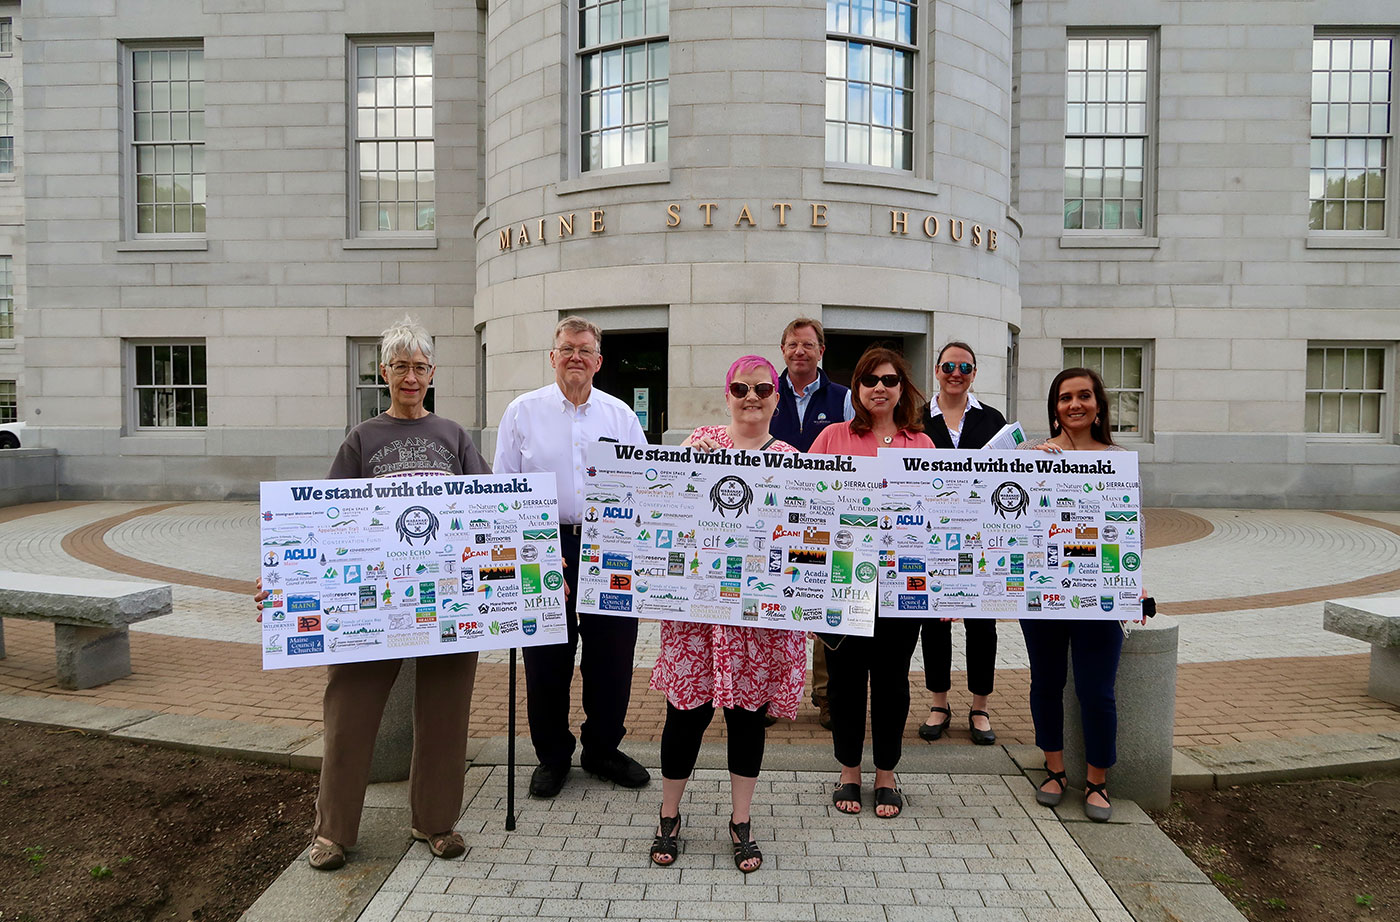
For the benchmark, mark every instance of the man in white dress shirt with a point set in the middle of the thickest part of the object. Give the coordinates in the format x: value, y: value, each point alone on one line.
x: 549, y: 429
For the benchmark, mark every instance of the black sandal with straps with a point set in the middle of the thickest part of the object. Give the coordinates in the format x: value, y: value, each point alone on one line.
x: 666, y: 844
x: 745, y: 849
x: 1051, y: 798
x: 1093, y: 811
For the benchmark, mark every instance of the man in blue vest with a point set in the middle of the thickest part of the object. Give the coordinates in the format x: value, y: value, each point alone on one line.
x: 808, y: 402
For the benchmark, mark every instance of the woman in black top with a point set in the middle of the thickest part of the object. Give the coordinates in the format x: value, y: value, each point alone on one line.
x: 956, y: 419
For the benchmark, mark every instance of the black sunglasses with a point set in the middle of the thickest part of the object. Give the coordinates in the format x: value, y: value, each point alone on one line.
x: 887, y: 380
x: 740, y: 390
x: 964, y: 367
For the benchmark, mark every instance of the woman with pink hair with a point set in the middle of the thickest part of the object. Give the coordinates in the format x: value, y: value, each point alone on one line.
x: 749, y: 672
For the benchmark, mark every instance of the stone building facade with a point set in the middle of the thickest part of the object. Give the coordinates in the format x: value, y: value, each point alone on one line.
x: 227, y: 199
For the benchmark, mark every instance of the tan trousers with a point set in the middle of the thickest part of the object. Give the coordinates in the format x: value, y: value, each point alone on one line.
x: 818, y: 669
x: 354, y: 703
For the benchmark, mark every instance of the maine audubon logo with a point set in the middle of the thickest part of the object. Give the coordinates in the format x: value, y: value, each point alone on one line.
x: 730, y: 493
x: 417, y: 522
x: 1011, y: 497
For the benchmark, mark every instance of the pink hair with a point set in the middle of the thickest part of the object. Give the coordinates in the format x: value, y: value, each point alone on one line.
x: 750, y: 363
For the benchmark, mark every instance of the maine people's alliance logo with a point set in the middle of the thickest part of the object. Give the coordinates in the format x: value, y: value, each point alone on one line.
x: 417, y: 522
x: 1011, y: 497
x: 731, y: 494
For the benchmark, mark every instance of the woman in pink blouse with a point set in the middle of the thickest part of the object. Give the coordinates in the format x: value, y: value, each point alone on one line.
x: 746, y: 671
x: 887, y: 405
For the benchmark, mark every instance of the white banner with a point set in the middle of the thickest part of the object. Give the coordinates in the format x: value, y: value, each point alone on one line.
x: 753, y: 539
x: 1012, y: 534
x: 409, y: 566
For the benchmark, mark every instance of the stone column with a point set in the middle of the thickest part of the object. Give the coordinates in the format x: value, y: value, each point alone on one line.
x: 393, y: 747
x: 1146, y: 715
x: 91, y: 656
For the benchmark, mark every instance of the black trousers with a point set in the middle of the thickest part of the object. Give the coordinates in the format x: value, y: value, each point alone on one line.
x: 608, y: 646
x: 684, y: 731
x: 880, y: 663
x: 981, y: 651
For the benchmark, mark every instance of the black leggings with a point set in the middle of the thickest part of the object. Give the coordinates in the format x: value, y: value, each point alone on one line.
x: 684, y: 730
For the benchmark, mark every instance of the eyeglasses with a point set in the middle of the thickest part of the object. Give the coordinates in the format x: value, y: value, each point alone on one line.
x: 401, y: 369
x: 740, y: 390
x: 964, y: 367
x: 569, y: 352
x: 793, y: 346
x: 887, y: 380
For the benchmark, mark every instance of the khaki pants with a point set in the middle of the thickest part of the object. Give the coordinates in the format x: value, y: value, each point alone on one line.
x: 354, y: 703
x: 819, y: 676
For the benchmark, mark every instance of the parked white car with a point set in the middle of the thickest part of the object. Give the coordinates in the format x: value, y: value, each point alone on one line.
x: 9, y: 434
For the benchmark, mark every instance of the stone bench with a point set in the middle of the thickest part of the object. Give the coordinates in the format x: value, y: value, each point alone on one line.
x: 89, y: 617
x: 1375, y: 620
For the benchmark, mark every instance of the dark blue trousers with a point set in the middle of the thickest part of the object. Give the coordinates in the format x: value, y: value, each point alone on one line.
x: 1094, y: 648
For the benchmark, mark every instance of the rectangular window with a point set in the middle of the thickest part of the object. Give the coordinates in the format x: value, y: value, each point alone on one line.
x: 7, y: 297
x: 170, y: 385
x: 1351, y: 133
x: 393, y: 152
x: 624, y: 86
x: 7, y: 35
x: 870, y: 54
x: 369, y: 393
x: 166, y: 111
x: 1108, y: 121
x: 1124, y: 372
x: 1345, y: 390
x: 7, y: 128
x: 9, y: 402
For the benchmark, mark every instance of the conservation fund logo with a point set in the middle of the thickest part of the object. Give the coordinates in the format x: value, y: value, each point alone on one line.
x: 731, y: 494
x: 417, y: 523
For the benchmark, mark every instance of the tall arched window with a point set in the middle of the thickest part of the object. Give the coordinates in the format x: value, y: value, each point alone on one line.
x: 7, y: 128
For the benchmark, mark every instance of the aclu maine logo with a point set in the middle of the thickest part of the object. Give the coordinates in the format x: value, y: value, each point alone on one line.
x: 417, y: 523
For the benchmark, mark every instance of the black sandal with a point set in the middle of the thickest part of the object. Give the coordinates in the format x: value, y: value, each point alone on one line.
x: 1047, y: 798
x: 932, y: 732
x: 889, y: 797
x: 746, y: 849
x: 666, y: 844
x: 850, y: 791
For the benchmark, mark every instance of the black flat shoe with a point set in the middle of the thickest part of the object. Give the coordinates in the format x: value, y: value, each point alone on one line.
x: 932, y: 732
x: 745, y: 849
x: 1092, y: 811
x: 1051, y: 798
x: 617, y: 767
x: 547, y: 780
x: 981, y: 737
x: 667, y: 842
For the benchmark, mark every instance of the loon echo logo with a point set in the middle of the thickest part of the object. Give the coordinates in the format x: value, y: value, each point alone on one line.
x: 417, y: 523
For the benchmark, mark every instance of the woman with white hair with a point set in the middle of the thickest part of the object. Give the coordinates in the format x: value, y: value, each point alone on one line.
x: 404, y: 439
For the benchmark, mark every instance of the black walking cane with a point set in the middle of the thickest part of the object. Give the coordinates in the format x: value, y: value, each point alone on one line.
x: 510, y: 749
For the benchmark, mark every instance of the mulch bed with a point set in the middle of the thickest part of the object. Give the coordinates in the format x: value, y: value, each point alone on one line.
x: 1322, y: 850
x: 100, y: 829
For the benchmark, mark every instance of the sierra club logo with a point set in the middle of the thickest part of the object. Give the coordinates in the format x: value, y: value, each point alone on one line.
x: 417, y: 522
x: 866, y: 572
x: 553, y: 580
x: 731, y: 493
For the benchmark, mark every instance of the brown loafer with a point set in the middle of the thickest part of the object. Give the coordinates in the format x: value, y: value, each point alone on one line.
x: 443, y: 844
x: 325, y: 855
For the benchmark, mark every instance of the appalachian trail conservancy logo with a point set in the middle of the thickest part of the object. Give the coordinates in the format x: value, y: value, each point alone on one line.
x: 417, y: 523
x: 1011, y: 497
x: 731, y: 494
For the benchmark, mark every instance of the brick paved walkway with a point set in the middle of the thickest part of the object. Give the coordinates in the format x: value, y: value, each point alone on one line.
x: 1236, y: 680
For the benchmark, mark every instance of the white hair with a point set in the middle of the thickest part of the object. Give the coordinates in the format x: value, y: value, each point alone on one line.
x: 403, y: 338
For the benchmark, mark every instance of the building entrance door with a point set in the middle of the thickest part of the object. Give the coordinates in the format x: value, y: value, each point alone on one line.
x: 843, y: 350
x: 634, y: 371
